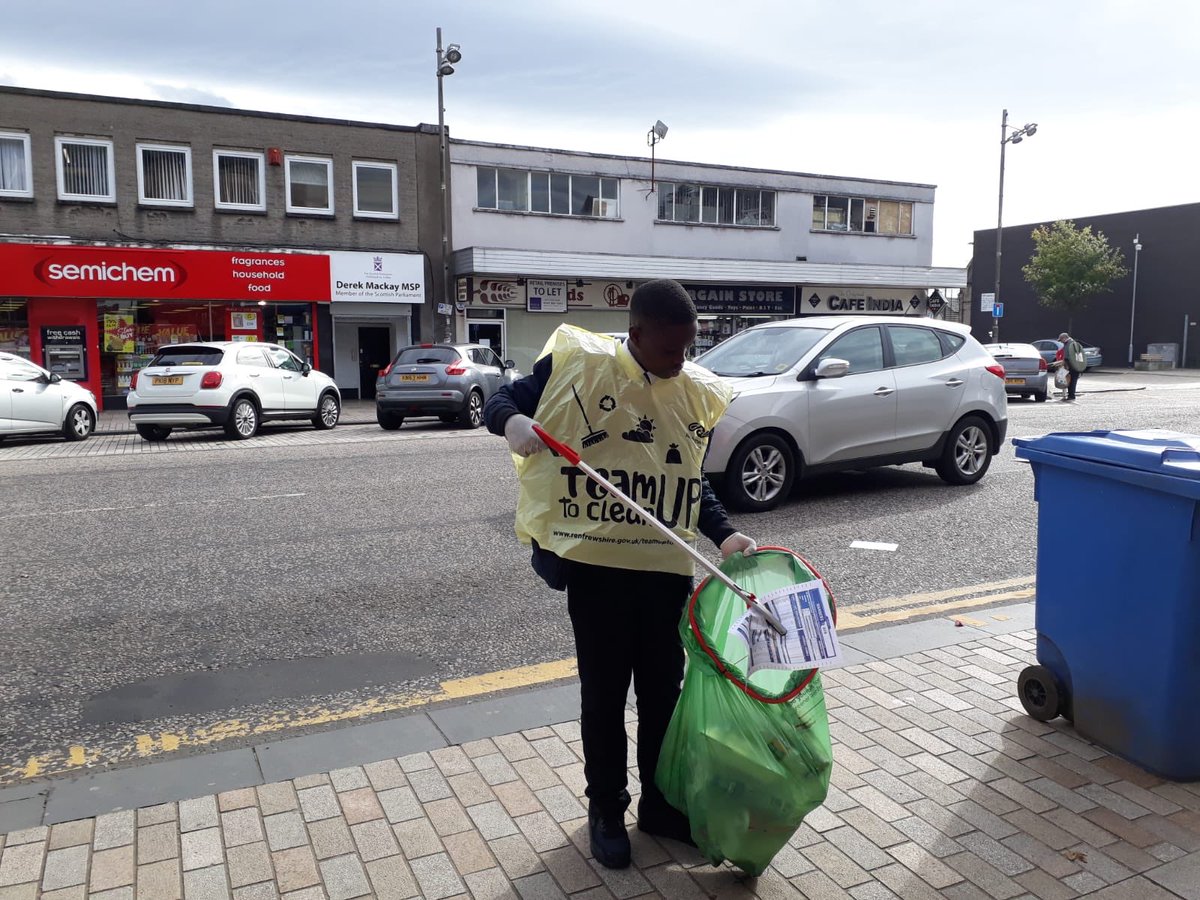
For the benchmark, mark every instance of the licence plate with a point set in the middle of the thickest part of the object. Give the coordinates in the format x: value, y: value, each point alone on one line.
x: 1014, y: 380
x: 167, y: 379
x: 414, y: 377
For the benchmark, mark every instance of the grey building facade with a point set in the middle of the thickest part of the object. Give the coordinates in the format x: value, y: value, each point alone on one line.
x: 233, y: 199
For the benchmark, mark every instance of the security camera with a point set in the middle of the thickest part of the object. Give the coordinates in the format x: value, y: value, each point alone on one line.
x: 453, y: 53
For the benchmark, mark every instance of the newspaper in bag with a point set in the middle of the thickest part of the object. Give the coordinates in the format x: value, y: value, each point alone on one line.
x: 811, y: 641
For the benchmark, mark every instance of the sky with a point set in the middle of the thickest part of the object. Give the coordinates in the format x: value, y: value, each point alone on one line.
x: 908, y: 91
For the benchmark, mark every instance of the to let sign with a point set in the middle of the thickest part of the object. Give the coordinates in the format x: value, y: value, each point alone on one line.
x: 545, y: 295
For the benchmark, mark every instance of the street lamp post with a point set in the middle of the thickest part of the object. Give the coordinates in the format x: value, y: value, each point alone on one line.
x: 446, y: 60
x: 1016, y: 137
x: 1137, y: 249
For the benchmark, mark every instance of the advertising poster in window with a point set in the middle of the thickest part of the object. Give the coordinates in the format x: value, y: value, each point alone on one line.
x: 120, y: 333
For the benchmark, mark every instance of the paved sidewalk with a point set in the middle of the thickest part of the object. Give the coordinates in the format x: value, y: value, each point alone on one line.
x: 941, y: 788
x: 354, y: 412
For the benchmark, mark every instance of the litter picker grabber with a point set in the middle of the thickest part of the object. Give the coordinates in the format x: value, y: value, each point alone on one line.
x: 573, y: 458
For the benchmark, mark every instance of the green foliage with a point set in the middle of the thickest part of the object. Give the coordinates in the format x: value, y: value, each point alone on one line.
x: 1071, y: 266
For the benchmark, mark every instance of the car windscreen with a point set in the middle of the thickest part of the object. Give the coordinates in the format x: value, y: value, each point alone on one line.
x: 427, y: 355
x: 188, y: 356
x: 761, y: 351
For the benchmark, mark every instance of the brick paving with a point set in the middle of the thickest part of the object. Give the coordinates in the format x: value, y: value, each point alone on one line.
x: 941, y: 787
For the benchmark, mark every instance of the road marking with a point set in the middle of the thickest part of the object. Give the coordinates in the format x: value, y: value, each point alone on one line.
x: 873, y: 545
x: 75, y: 757
x: 274, y: 496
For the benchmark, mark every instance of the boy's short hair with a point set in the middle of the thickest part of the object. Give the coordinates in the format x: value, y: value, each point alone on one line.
x: 663, y: 302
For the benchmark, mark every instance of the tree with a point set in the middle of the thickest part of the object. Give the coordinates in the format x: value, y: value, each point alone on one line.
x: 1071, y: 266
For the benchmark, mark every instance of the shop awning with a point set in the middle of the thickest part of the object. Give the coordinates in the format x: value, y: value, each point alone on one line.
x: 552, y: 263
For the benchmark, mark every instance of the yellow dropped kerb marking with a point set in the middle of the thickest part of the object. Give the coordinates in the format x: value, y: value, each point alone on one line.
x: 147, y: 745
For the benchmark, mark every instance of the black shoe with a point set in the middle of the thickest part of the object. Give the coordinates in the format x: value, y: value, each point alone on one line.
x: 664, y: 820
x: 610, y: 842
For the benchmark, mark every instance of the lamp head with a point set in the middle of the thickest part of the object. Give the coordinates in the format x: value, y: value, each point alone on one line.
x: 1030, y: 129
x: 1016, y: 138
x: 445, y: 69
x: 453, y: 54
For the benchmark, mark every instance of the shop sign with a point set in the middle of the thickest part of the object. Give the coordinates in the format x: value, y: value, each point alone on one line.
x: 612, y: 295
x: 503, y: 292
x: 862, y: 301
x: 39, y: 270
x: 545, y: 295
x: 377, y: 277
x: 62, y: 336
x: 735, y: 299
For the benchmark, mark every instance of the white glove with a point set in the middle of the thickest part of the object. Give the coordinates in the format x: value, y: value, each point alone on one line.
x: 738, y: 543
x: 521, y: 437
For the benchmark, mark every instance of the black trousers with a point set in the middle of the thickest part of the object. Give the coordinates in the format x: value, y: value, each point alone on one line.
x: 1072, y: 380
x: 626, y: 626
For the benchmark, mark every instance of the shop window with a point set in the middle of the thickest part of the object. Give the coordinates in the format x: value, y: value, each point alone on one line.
x: 290, y: 326
x: 238, y: 180
x: 714, y: 205
x: 519, y: 190
x: 14, y: 327
x: 133, y: 331
x: 375, y: 194
x: 862, y: 215
x: 85, y: 169
x: 164, y: 175
x: 16, y: 167
x: 309, y: 185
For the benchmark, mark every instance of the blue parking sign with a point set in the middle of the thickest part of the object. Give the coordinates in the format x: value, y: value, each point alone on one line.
x: 998, y: 311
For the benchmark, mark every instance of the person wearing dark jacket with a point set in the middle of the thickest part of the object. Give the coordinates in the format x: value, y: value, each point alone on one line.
x: 643, y: 414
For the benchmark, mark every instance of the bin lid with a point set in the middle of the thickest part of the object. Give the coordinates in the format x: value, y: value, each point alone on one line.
x: 1149, y: 450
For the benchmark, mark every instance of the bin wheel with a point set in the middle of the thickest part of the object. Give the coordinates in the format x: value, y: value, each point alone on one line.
x: 1039, y: 692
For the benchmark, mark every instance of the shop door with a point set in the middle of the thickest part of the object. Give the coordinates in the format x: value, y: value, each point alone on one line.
x: 374, y: 353
x: 489, y: 332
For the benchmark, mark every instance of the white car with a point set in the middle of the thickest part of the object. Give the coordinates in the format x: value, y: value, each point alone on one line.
x: 236, y: 385
x: 35, y: 401
x: 827, y: 393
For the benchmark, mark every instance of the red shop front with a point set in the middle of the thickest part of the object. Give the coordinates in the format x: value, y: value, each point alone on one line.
x: 97, y: 314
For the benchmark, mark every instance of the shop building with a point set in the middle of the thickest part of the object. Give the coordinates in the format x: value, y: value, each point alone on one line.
x: 550, y: 236
x: 126, y: 224
x: 1151, y: 311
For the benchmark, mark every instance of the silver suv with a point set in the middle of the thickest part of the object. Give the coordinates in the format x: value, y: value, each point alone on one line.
x: 236, y: 385
x: 829, y: 393
x: 450, y: 381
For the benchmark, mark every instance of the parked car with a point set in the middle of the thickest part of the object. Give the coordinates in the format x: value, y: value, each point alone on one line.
x: 1026, y: 372
x: 450, y: 381
x: 826, y: 393
x: 34, y: 400
x: 1050, y: 351
x: 236, y: 385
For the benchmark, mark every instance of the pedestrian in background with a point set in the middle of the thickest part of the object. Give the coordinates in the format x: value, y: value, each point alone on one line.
x: 642, y: 413
x: 1072, y: 358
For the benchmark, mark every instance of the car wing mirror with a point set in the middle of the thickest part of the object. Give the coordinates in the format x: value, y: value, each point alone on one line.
x: 54, y: 378
x: 305, y: 369
x: 509, y: 364
x: 831, y: 367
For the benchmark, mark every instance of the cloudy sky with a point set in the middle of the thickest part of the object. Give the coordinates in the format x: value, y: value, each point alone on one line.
x: 908, y: 91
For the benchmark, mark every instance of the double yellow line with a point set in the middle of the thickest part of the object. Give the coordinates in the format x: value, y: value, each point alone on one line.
x: 76, y: 758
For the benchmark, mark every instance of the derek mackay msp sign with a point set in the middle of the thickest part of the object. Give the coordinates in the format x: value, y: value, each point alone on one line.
x: 47, y: 270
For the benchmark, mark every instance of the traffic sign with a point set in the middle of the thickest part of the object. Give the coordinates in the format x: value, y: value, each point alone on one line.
x: 998, y: 311
x: 987, y: 301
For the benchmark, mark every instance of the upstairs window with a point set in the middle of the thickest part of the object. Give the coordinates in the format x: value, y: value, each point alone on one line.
x: 309, y: 185
x: 710, y: 205
x: 16, y: 168
x: 85, y: 169
x: 560, y: 194
x: 164, y: 175
x: 238, y: 181
x: 862, y: 215
x: 375, y: 195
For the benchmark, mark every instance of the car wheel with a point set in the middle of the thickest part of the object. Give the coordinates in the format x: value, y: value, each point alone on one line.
x: 328, y: 413
x: 472, y: 411
x: 968, y: 452
x: 1042, y: 397
x: 388, y: 421
x: 80, y: 423
x: 243, y: 420
x: 154, y: 432
x: 760, y: 473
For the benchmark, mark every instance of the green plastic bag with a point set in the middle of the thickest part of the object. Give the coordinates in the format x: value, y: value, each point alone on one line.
x: 745, y: 758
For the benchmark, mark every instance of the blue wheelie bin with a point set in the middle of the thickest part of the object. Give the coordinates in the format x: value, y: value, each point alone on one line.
x: 1118, y: 592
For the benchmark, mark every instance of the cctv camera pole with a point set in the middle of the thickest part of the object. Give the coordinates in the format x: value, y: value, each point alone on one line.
x: 442, y: 156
